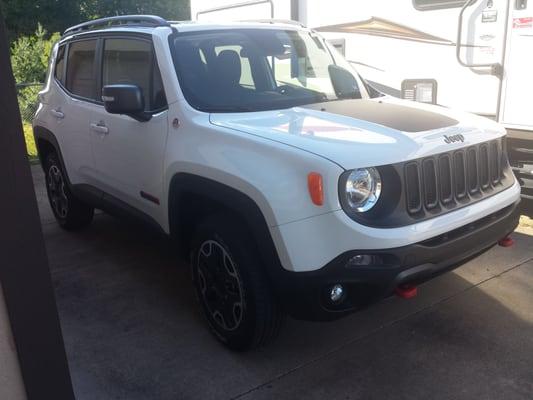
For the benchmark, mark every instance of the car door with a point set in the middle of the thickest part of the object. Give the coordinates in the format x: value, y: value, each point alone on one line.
x: 72, y: 104
x: 128, y: 154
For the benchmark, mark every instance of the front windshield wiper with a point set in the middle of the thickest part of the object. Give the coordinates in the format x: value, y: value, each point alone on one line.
x: 317, y: 93
x: 225, y: 109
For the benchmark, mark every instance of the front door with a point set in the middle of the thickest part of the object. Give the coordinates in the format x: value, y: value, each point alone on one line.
x: 128, y: 154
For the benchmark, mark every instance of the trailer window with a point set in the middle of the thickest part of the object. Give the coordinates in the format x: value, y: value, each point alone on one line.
x: 424, y: 5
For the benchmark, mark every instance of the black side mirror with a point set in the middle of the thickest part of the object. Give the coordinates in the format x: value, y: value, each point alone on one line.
x: 344, y: 83
x: 125, y: 99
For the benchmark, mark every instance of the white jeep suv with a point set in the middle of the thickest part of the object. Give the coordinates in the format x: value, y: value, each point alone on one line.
x: 293, y: 185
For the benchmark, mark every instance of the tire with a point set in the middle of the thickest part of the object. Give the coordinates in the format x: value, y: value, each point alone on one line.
x: 70, y: 212
x: 232, y: 286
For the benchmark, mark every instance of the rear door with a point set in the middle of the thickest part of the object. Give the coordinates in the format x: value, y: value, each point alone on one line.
x: 517, y: 88
x: 128, y: 154
x: 72, y: 105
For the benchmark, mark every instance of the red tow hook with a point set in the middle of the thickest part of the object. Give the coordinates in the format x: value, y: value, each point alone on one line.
x: 406, y: 291
x: 506, y: 242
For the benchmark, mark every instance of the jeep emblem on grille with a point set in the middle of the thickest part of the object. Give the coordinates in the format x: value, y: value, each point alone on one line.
x: 454, y: 138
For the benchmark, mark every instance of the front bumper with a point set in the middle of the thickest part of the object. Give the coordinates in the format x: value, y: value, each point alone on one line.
x: 305, y: 294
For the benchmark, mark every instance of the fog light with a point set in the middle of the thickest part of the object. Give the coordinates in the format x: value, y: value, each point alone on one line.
x: 361, y: 260
x: 336, y: 293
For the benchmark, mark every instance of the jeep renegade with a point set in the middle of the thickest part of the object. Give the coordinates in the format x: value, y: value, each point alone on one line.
x: 293, y: 185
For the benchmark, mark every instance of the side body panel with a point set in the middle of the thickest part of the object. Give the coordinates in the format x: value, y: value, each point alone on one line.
x: 68, y: 119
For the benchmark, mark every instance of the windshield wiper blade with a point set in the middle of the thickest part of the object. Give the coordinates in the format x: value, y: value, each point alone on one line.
x: 236, y: 109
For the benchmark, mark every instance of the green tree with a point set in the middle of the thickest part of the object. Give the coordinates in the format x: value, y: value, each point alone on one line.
x: 170, y: 9
x: 29, y: 57
x: 23, y: 16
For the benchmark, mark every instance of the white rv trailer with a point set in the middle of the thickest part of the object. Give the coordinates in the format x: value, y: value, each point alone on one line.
x: 473, y: 55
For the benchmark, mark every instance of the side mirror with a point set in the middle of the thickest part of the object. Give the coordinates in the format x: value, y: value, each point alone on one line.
x: 344, y: 83
x: 126, y: 100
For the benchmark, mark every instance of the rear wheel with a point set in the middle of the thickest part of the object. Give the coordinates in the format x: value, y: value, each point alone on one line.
x: 70, y: 212
x: 232, y: 287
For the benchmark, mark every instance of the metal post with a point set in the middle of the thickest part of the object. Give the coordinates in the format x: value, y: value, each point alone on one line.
x: 24, y: 273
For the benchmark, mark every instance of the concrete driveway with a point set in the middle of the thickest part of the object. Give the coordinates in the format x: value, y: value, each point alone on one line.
x: 133, y: 329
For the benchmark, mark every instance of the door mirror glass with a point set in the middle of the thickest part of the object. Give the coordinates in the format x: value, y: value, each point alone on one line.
x: 126, y: 100
x: 344, y: 83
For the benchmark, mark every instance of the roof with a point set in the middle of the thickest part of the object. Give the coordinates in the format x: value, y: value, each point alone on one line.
x: 147, y: 23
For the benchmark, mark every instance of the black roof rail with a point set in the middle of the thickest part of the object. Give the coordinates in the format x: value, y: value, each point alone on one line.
x: 129, y: 20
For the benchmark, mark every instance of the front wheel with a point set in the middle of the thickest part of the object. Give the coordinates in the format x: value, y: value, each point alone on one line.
x: 232, y: 287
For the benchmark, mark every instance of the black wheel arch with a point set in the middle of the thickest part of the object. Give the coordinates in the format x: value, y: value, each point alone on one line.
x: 46, y: 142
x: 192, y: 197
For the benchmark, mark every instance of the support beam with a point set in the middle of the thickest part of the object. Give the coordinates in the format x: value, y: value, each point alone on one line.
x: 24, y: 273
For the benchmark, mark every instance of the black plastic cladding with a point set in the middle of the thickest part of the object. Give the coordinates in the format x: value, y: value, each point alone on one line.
x: 433, y: 186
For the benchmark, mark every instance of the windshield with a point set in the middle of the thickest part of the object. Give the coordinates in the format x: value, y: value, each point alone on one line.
x: 260, y: 69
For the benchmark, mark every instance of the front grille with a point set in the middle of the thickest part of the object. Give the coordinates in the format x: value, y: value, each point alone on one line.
x: 457, y: 177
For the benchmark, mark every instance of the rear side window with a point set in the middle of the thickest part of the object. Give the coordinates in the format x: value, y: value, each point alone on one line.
x: 437, y: 4
x: 81, y: 72
x: 130, y: 61
x: 59, y: 72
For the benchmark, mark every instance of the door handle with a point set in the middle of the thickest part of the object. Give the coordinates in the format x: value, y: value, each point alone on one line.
x: 57, y: 113
x: 100, y: 128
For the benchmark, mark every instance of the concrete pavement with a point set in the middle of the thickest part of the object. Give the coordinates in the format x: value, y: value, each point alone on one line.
x: 133, y: 329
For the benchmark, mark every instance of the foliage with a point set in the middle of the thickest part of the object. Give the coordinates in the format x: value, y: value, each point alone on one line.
x: 29, y: 55
x: 23, y: 16
x: 30, y: 142
x: 170, y: 9
x: 29, y: 58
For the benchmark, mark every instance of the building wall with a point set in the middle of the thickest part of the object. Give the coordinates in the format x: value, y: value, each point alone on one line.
x: 11, y: 384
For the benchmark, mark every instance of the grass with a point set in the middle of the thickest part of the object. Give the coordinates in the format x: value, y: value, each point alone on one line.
x: 30, y: 142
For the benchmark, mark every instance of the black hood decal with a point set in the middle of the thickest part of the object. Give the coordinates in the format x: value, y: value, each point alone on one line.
x: 395, y: 116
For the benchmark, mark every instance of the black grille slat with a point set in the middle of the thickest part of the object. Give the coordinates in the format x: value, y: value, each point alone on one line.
x: 495, y: 163
x: 460, y: 176
x: 472, y: 171
x: 429, y: 171
x: 414, y: 196
x: 445, y: 179
x: 484, y: 167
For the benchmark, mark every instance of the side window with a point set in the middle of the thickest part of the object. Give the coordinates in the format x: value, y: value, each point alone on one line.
x: 130, y: 61
x: 60, y: 64
x: 81, y: 77
x: 437, y: 4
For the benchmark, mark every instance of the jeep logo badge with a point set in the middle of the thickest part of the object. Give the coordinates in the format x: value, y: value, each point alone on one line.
x: 454, y: 138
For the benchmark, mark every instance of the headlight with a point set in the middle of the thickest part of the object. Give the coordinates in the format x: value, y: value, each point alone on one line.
x: 362, y: 189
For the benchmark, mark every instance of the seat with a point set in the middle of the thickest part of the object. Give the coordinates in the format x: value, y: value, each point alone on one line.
x: 226, y: 73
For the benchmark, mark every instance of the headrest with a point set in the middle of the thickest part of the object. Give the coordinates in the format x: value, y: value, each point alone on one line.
x: 228, y: 67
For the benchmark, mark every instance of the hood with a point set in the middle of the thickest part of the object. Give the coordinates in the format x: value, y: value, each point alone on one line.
x: 365, y: 133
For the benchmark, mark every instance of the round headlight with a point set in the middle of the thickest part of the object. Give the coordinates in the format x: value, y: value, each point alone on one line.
x: 363, y: 188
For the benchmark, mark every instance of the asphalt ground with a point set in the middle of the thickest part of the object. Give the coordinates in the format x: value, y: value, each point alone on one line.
x: 133, y: 329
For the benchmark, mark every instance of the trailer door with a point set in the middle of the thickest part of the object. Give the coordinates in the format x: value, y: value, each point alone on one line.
x: 517, y: 88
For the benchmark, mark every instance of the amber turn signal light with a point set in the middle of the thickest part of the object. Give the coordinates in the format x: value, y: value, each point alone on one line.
x: 316, y: 191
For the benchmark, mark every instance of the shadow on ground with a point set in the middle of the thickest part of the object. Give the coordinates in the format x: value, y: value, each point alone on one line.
x: 133, y: 330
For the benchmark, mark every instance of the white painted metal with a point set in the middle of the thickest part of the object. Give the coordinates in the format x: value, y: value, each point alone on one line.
x: 260, y: 155
x: 515, y: 111
x: 388, y: 60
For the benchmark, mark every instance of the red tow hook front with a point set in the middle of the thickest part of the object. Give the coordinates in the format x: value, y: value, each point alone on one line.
x: 506, y: 242
x: 406, y: 291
